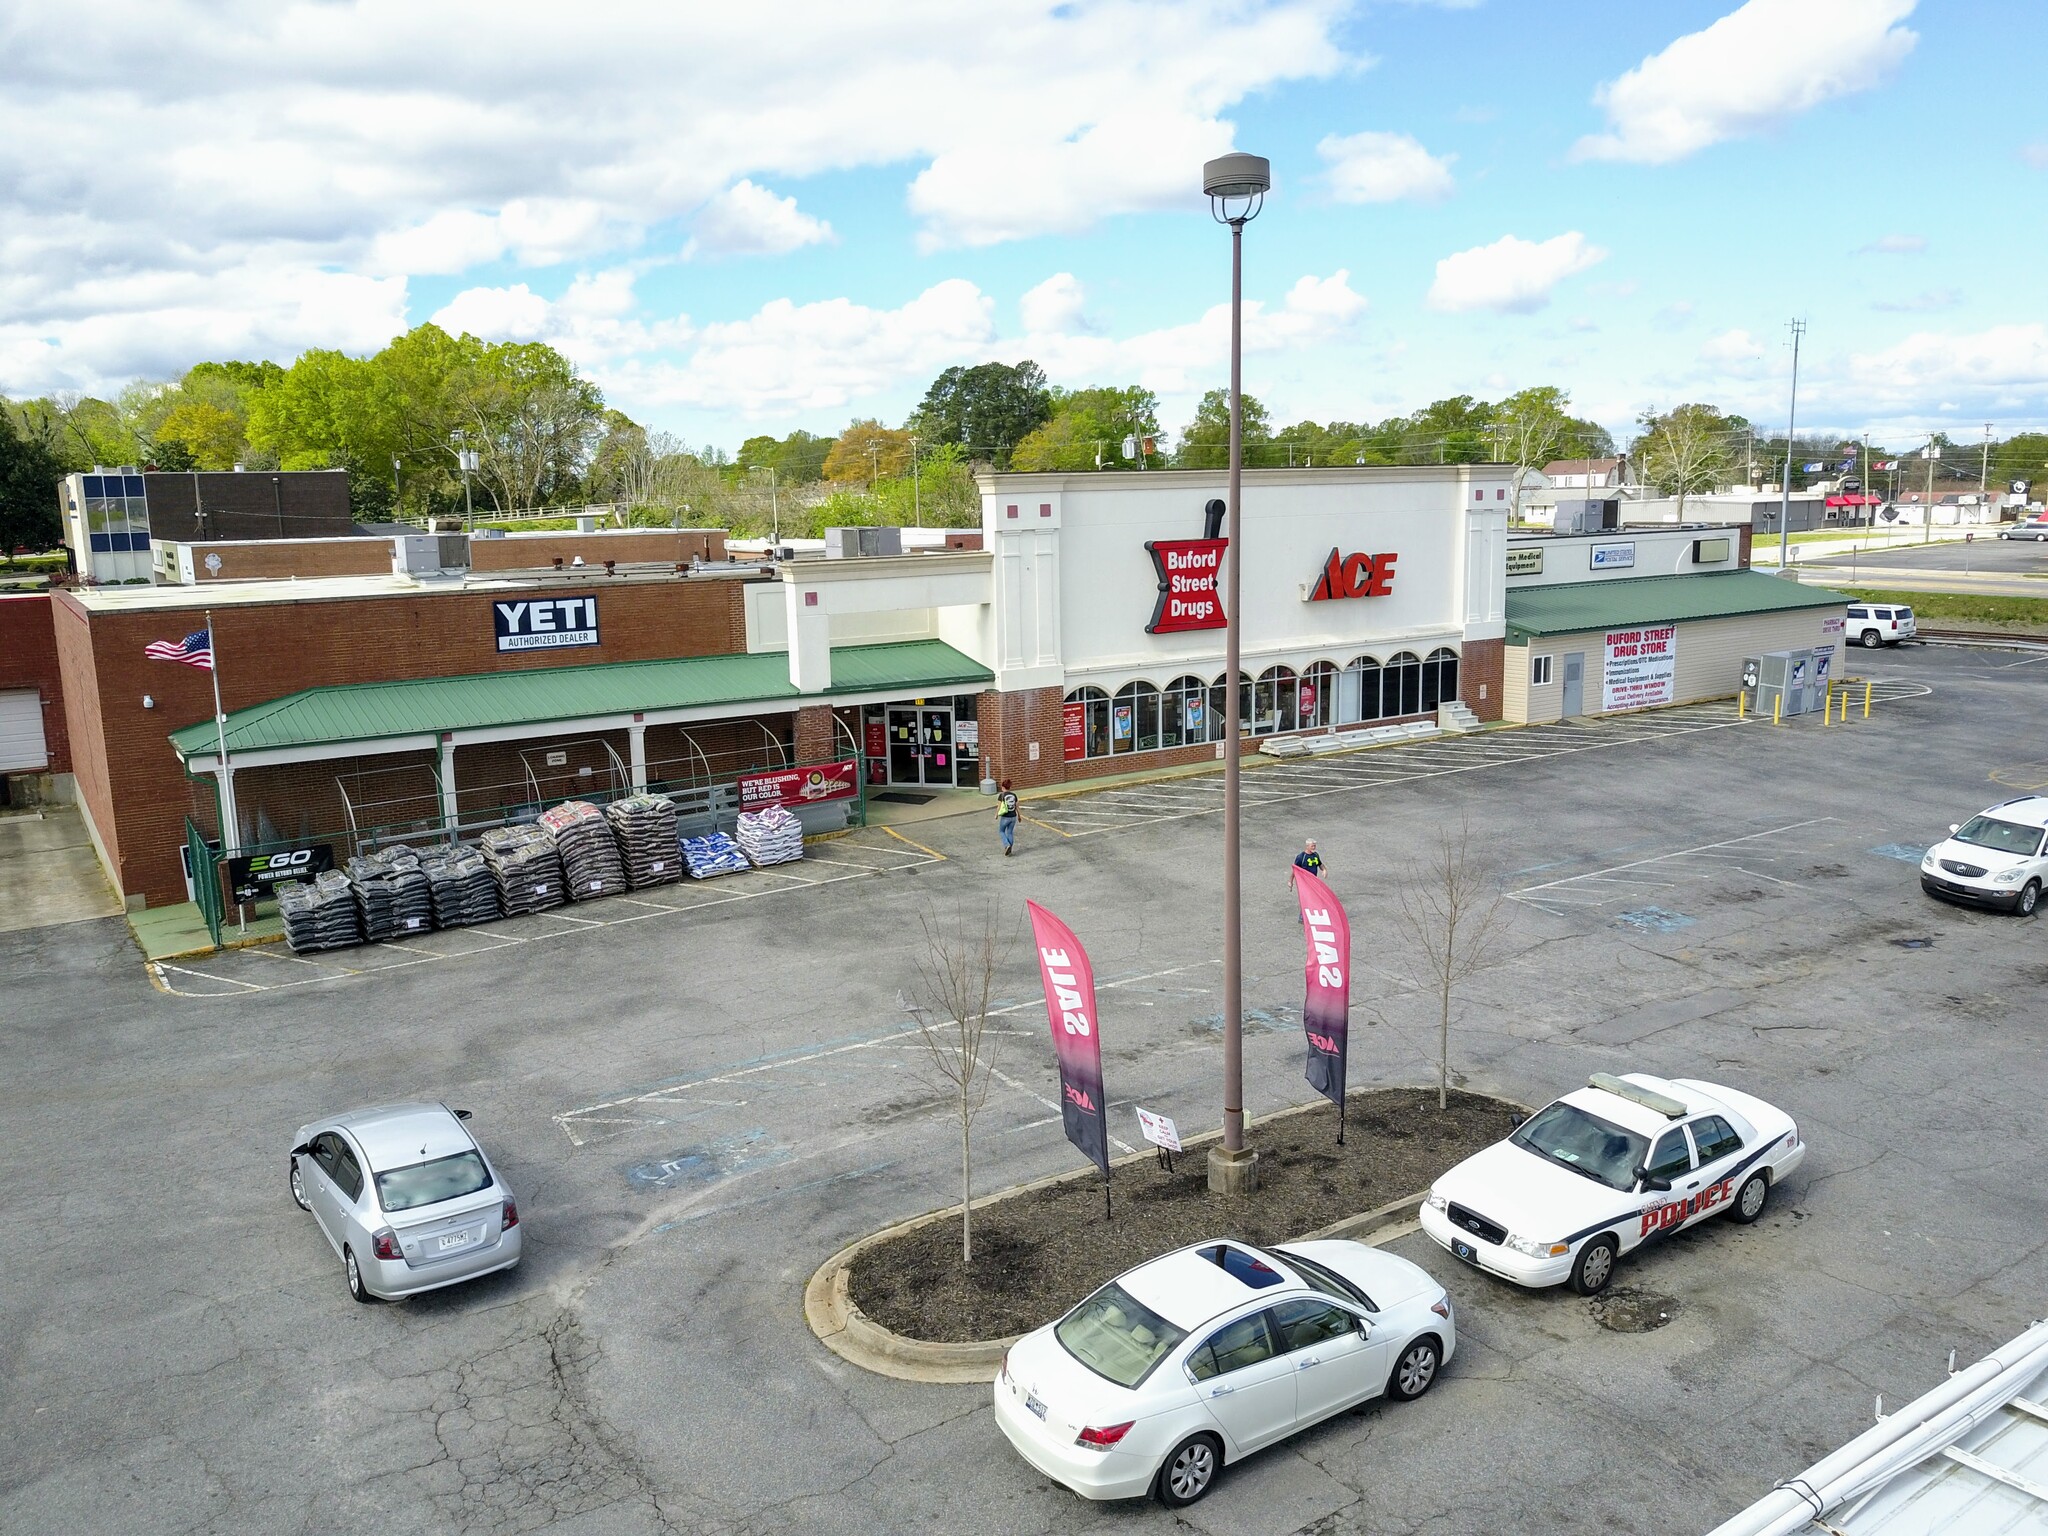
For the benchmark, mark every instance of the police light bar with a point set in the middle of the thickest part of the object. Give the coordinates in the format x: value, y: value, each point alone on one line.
x: 1606, y: 1082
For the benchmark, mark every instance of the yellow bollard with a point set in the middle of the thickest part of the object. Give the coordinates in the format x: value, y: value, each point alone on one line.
x: 1777, y: 709
x: 1827, y: 706
x: 1866, y: 699
x: 1742, y: 703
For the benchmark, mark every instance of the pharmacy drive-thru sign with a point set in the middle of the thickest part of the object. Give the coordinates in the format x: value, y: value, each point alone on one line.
x: 1640, y: 667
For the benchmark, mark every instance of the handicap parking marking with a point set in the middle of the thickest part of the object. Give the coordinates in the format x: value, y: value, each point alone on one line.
x: 1638, y: 878
x: 2026, y: 776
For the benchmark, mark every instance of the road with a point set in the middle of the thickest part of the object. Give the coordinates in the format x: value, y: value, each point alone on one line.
x: 1986, y: 566
x: 697, y: 1108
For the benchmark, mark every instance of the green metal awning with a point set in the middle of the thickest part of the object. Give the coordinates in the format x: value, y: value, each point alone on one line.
x: 353, y: 713
x: 1623, y: 602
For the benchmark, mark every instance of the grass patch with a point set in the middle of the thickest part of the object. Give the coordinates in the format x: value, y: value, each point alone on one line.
x: 1967, y: 608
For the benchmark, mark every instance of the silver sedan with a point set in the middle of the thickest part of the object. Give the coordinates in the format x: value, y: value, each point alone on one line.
x: 406, y: 1198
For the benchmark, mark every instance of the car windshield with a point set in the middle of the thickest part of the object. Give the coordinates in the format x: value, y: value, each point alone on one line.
x: 1117, y: 1337
x: 1328, y: 1281
x: 2005, y: 836
x: 1584, y: 1143
x: 405, y: 1189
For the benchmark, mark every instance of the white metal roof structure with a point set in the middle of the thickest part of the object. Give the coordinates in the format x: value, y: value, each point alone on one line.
x: 1969, y: 1456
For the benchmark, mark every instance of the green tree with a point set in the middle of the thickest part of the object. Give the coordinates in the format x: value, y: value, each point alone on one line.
x: 1686, y: 451
x: 1205, y: 441
x: 867, y: 452
x: 797, y: 459
x: 209, y: 435
x: 987, y: 409
x: 2021, y: 457
x: 29, y: 473
x: 1457, y: 430
x: 1088, y: 429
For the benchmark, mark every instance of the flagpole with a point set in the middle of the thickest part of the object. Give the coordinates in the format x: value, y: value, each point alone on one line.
x: 231, y: 831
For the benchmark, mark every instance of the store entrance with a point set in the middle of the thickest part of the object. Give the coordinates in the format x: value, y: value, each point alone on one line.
x: 920, y: 744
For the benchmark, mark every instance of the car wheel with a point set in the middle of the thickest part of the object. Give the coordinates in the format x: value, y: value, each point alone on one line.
x: 356, y: 1288
x: 2030, y: 897
x: 1415, y: 1370
x: 1751, y: 1199
x: 1189, y: 1470
x: 298, y: 1188
x: 1872, y: 640
x: 1594, y: 1267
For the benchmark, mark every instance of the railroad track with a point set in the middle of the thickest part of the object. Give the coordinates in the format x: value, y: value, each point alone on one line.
x: 1985, y: 636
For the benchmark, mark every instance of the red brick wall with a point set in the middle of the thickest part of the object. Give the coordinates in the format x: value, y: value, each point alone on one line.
x: 533, y: 551
x: 28, y: 659
x: 1748, y: 537
x: 817, y: 733
x: 1202, y: 752
x: 282, y: 558
x: 120, y: 751
x: 1480, y: 664
x: 1010, y: 722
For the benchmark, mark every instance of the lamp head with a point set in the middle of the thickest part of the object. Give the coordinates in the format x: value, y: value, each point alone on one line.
x: 1240, y: 180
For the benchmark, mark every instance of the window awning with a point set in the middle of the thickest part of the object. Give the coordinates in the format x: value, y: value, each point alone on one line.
x: 363, y: 714
x: 1621, y: 602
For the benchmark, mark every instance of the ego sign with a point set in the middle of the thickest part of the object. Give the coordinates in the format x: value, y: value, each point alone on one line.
x: 545, y: 623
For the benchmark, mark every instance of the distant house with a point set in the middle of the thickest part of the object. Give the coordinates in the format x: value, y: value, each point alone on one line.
x: 1586, y: 476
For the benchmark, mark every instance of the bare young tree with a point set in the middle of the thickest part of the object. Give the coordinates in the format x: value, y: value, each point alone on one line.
x: 1686, y: 451
x: 1450, y: 914
x: 949, y: 1000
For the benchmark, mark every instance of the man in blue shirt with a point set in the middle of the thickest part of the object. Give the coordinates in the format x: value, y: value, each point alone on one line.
x: 1309, y: 859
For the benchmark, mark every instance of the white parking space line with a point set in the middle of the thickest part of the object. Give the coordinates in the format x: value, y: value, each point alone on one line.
x: 1661, y: 872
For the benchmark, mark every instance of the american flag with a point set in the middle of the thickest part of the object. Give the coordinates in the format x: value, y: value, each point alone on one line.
x: 195, y: 650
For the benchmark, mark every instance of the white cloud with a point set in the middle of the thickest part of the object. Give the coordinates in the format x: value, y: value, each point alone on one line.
x: 1894, y: 245
x: 1920, y: 303
x: 1384, y: 168
x: 2005, y: 356
x: 1736, y: 346
x: 1512, y: 276
x: 747, y: 220
x: 451, y: 241
x: 2035, y: 155
x: 1764, y: 62
x: 592, y: 324
x: 516, y: 313
x: 1057, y: 304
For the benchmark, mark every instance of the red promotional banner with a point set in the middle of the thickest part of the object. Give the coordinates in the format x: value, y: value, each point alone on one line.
x: 1327, y: 1013
x: 1074, y: 727
x: 1070, y: 1007
x: 1188, y: 596
x: 799, y: 786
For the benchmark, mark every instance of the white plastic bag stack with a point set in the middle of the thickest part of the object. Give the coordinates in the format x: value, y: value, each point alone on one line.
x: 771, y: 836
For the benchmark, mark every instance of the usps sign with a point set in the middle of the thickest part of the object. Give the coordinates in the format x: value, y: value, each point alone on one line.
x: 545, y: 623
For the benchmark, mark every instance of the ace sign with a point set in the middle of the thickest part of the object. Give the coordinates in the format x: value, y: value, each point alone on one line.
x: 545, y: 623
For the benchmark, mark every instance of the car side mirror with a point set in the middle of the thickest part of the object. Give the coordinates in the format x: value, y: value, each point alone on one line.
x: 462, y: 1114
x: 303, y: 1149
x: 1954, y: 827
x: 1516, y: 1122
x: 1643, y: 1178
x: 1364, y: 1328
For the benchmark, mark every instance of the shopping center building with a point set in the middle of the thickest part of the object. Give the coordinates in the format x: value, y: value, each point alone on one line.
x: 463, y: 688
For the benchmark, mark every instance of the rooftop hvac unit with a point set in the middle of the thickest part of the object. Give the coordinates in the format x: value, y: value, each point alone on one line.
x: 1586, y: 516
x: 429, y: 554
x: 845, y: 543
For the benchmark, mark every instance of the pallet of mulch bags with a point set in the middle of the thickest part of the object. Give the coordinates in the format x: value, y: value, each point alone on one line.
x: 771, y: 836
x: 713, y: 854
x: 644, y: 826
x: 461, y: 885
x: 526, y: 866
x: 391, y: 893
x: 320, y: 913
x: 590, y: 856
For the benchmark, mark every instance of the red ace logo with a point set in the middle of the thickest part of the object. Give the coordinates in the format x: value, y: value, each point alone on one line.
x: 1188, y: 599
x: 1354, y: 576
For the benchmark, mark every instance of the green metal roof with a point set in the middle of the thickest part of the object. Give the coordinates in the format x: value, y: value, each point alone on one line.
x: 1619, y: 601
x: 361, y: 712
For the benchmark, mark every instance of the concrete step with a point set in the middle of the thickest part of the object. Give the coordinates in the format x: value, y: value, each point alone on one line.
x: 1453, y: 716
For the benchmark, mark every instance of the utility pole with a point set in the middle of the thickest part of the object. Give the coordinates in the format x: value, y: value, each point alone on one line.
x: 1869, y: 507
x: 1984, y: 463
x: 1791, y: 422
x: 1927, y: 508
x: 916, y: 497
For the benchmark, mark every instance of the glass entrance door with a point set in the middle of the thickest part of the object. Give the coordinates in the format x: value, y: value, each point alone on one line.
x: 920, y: 745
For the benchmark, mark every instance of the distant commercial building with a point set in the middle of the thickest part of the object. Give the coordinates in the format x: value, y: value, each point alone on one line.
x: 113, y: 518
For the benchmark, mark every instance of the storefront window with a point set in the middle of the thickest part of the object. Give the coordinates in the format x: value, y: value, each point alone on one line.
x: 1095, y: 720
x: 1134, y: 718
x: 1317, y: 698
x: 1184, y: 712
x: 1358, y: 691
x: 1273, y: 701
x: 1439, y: 678
x: 1219, y: 700
x: 1401, y: 686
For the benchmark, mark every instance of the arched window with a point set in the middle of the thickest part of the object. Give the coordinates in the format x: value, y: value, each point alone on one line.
x: 1317, y: 699
x: 1134, y: 719
x: 1273, y: 701
x: 1401, y: 686
x: 1358, y: 691
x: 1184, y: 718
x: 1439, y: 678
x: 1219, y: 700
x: 1095, y: 719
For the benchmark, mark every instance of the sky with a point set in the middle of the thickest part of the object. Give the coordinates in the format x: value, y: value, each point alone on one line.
x: 743, y: 219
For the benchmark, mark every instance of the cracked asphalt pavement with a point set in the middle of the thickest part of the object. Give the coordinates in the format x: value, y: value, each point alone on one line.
x: 694, y: 1114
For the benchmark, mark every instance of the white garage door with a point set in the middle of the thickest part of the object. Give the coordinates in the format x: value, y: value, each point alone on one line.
x: 21, y: 732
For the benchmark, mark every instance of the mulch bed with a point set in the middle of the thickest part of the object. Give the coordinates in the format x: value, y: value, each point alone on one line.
x: 1037, y: 1254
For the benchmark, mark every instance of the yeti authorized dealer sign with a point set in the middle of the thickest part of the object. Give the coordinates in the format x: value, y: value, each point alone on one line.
x: 545, y: 623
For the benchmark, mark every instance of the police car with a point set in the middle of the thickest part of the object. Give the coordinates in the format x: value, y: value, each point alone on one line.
x: 1606, y: 1169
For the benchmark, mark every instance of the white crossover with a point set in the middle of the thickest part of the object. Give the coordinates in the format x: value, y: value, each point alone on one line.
x: 1204, y: 1356
x: 1606, y: 1169
x: 1996, y: 859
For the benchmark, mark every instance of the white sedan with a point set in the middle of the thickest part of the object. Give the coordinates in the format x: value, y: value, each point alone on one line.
x: 1206, y: 1355
x: 1603, y: 1170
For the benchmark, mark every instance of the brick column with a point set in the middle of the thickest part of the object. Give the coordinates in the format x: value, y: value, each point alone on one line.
x: 816, y: 735
x: 1479, y: 676
x: 1010, y: 722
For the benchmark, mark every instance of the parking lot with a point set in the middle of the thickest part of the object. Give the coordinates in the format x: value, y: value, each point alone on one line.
x: 696, y: 1105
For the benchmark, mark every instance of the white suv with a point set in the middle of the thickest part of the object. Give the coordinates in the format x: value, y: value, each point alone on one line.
x: 1995, y: 859
x: 1873, y: 625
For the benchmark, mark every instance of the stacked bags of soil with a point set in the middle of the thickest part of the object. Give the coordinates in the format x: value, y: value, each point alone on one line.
x: 645, y: 828
x: 460, y: 885
x: 713, y: 854
x: 320, y: 913
x: 528, y: 870
x: 590, y: 859
x: 771, y: 836
x: 391, y: 893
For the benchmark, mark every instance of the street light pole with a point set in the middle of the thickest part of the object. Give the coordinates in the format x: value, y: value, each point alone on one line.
x: 1242, y: 181
x: 1791, y: 422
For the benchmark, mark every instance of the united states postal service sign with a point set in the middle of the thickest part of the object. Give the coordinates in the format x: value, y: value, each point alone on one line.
x: 545, y: 623
x: 1070, y: 1005
x: 1640, y: 667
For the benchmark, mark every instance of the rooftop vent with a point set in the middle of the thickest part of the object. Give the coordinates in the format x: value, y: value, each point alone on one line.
x: 846, y: 543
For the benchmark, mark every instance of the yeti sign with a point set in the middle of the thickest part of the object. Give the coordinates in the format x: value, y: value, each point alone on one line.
x: 545, y: 623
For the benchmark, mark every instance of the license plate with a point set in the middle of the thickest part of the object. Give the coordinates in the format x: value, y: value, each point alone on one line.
x: 1465, y: 1251
x: 1034, y: 1405
x: 454, y: 1239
